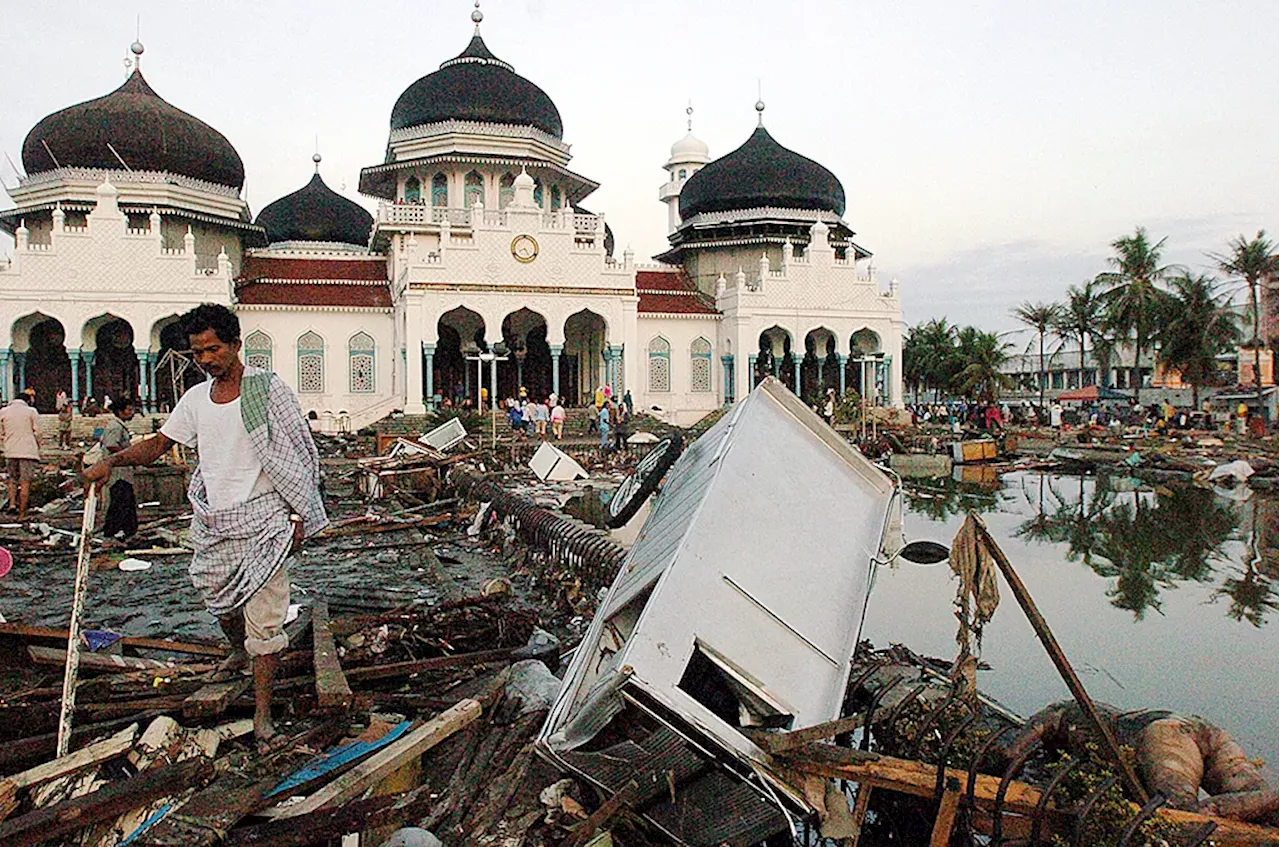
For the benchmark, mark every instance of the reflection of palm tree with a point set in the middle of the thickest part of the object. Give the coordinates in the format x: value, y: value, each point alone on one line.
x: 943, y: 497
x: 1252, y: 595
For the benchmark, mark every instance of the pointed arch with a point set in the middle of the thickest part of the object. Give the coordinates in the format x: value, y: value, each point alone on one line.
x: 659, y: 365
x: 555, y: 198
x: 473, y: 189
x: 700, y: 366
x: 412, y: 190
x: 310, y: 363
x: 506, y: 190
x: 440, y: 189
x: 361, y: 375
x: 257, y: 350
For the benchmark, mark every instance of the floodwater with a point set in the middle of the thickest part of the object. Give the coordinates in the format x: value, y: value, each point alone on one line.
x: 1161, y: 596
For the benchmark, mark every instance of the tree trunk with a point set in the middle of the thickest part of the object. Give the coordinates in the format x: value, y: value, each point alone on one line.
x: 1257, y: 346
x: 1044, y: 378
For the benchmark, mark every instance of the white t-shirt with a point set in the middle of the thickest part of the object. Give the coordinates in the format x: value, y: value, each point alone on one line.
x: 228, y: 462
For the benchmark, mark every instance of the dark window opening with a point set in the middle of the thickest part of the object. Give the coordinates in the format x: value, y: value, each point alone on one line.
x: 729, y: 694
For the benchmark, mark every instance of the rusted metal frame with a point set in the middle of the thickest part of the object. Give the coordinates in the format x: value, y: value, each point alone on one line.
x: 927, y: 725
x: 1037, y: 818
x: 997, y: 820
x: 1131, y: 782
x: 871, y: 711
x: 1087, y: 807
x: 946, y: 751
x: 1148, y: 809
x: 970, y: 802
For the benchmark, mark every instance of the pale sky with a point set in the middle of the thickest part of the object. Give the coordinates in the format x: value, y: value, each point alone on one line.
x: 989, y: 151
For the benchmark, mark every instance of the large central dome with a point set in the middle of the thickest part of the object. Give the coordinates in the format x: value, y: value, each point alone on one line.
x: 476, y: 86
x: 316, y: 212
x: 146, y: 132
x: 761, y: 173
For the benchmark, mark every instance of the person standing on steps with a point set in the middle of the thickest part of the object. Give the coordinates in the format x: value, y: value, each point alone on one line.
x: 255, y: 494
x: 20, y: 436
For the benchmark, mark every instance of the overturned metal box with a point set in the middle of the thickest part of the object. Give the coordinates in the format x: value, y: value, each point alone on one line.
x: 737, y: 609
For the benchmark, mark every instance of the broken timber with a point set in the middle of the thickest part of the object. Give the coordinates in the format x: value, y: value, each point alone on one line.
x: 215, y: 697
x: 332, y: 690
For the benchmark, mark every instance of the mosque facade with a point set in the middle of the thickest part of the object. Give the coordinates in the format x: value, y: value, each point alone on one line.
x: 481, y: 271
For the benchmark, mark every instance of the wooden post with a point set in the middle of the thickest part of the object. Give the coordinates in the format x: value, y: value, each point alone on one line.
x: 946, y: 818
x: 332, y: 690
x: 1041, y: 627
x: 73, y: 631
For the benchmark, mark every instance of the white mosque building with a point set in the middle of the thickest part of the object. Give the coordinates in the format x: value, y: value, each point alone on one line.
x: 480, y: 269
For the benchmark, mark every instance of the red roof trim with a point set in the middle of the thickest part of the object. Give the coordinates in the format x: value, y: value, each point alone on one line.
x: 274, y: 267
x: 332, y: 294
x: 671, y: 293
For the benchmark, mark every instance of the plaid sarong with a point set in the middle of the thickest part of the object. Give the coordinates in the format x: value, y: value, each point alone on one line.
x: 237, y: 549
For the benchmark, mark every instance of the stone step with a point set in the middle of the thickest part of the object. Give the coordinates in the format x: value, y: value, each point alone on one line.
x: 83, y: 428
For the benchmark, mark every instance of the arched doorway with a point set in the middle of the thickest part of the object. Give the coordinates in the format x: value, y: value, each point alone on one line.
x: 821, y: 367
x: 110, y: 365
x: 461, y: 333
x: 865, y: 358
x: 529, y: 364
x: 172, y: 371
x: 775, y: 358
x: 582, y: 367
x: 40, y: 359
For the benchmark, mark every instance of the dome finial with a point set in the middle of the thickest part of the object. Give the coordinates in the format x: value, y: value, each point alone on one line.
x: 315, y: 157
x: 477, y: 16
x: 759, y: 106
x: 689, y: 111
x: 136, y: 47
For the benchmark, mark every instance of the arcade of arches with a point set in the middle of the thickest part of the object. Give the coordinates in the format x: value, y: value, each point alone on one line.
x: 864, y: 368
x: 107, y: 362
x: 466, y: 362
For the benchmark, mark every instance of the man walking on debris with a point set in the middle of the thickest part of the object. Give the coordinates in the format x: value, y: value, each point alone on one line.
x: 255, y: 495
x: 20, y: 435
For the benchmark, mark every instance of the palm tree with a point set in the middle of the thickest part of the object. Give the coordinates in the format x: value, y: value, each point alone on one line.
x: 1134, y: 298
x: 982, y: 354
x: 1198, y: 326
x: 932, y: 352
x: 1082, y: 318
x: 1249, y: 262
x: 1040, y: 317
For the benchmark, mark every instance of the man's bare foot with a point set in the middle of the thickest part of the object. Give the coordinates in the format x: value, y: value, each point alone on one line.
x: 264, y: 733
x: 231, y: 667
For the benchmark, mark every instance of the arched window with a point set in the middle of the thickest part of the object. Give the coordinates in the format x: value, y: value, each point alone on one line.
x: 360, y: 363
x: 412, y: 190
x: 659, y: 365
x: 683, y: 174
x: 310, y: 363
x: 555, y: 198
x: 506, y: 190
x: 257, y: 350
x: 440, y: 190
x: 700, y: 365
x: 473, y: 189
x: 537, y: 192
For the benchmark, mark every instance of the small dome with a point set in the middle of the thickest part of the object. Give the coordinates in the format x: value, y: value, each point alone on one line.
x: 523, y: 180
x: 476, y: 86
x: 690, y: 149
x: 148, y: 133
x: 316, y: 213
x: 761, y: 173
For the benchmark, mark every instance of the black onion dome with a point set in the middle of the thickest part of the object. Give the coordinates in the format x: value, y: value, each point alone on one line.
x: 476, y: 86
x: 148, y: 133
x: 316, y: 213
x: 761, y: 173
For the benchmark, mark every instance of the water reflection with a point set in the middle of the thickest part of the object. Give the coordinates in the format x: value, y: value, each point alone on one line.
x: 970, y: 487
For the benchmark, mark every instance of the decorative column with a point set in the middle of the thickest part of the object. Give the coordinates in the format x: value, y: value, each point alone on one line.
x: 556, y: 350
x: 428, y: 368
x: 751, y: 372
x: 727, y: 362
x: 519, y: 373
x: 74, y: 355
x: 142, y: 379
x: 615, y: 379
x: 493, y: 379
x: 843, y: 360
x: 21, y: 359
x: 153, y: 361
x: 6, y: 381
x: 796, y: 360
x: 413, y: 404
x: 88, y: 373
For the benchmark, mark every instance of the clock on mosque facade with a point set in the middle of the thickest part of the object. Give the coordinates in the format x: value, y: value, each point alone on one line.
x: 524, y: 248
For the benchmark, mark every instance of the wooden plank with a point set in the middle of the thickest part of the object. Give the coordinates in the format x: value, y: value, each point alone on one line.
x: 582, y: 832
x: 72, y: 655
x: 479, y: 657
x: 85, y: 757
x: 390, y: 758
x: 332, y: 822
x: 781, y: 742
x: 214, y: 698
x: 107, y: 802
x: 332, y: 690
x: 44, y: 633
x: 946, y: 817
x: 919, y: 779
x: 94, y: 661
x: 21, y: 751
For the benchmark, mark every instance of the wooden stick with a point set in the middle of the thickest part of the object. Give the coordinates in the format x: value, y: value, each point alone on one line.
x: 43, y: 633
x: 582, y: 832
x: 946, y: 817
x: 73, y: 631
x: 479, y: 657
x: 95, y: 661
x: 332, y: 690
x: 96, y: 753
x: 1130, y: 778
x: 390, y: 758
x: 781, y: 742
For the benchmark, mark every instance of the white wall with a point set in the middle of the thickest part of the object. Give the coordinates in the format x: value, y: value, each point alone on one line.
x: 683, y: 403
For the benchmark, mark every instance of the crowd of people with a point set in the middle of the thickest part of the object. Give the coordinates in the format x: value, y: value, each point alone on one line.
x: 960, y: 413
x: 545, y: 418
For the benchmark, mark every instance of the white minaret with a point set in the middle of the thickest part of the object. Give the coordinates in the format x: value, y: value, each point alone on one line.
x: 688, y: 155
